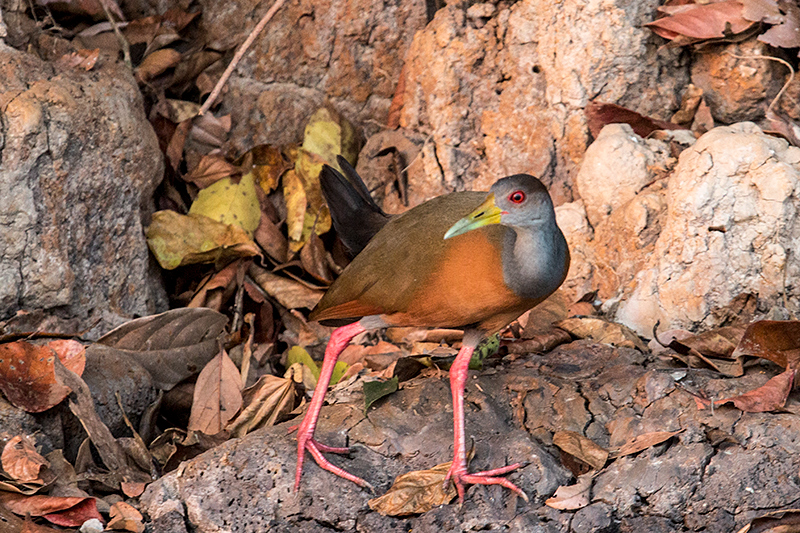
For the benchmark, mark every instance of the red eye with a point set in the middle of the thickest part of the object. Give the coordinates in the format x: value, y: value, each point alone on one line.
x: 517, y: 197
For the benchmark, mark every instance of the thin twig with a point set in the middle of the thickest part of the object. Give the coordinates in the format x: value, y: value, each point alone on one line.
x: 123, y: 42
x: 771, y: 58
x: 238, y: 56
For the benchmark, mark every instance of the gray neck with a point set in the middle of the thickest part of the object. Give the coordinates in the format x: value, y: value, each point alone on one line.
x: 534, y: 259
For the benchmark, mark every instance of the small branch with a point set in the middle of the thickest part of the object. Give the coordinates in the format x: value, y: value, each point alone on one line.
x: 123, y: 42
x: 238, y: 56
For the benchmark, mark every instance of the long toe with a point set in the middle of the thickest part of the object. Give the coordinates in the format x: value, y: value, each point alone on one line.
x: 315, y: 449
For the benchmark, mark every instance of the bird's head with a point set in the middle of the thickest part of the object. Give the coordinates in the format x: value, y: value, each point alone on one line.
x: 517, y: 201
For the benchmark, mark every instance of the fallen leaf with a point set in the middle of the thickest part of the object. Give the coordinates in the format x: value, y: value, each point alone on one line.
x: 230, y: 203
x: 599, y: 114
x: 125, y: 517
x: 14, y: 524
x: 179, y: 240
x: 572, y: 497
x: 157, y: 63
x: 771, y: 396
x: 785, y: 34
x: 272, y: 240
x: 268, y: 165
x: 582, y: 448
x: 288, y: 292
x: 540, y: 344
x: 175, y: 446
x: 313, y: 259
x: 21, y: 461
x: 783, y: 521
x: 416, y: 492
x: 217, y: 396
x: 642, y: 442
x: 774, y: 340
x: 269, y: 398
x: 701, y: 21
x: 211, y: 169
x: 27, y: 376
x: 295, y: 197
x: 87, y: 7
x: 67, y: 512
x: 602, y: 331
x: 82, y: 59
x: 375, y: 390
x: 224, y: 282
x: 172, y: 346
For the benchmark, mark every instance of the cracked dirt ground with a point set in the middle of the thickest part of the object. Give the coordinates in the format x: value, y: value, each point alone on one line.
x: 724, y: 469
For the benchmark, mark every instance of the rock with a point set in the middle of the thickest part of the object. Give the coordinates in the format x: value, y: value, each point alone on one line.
x: 79, y: 166
x: 616, y: 167
x: 729, y: 227
x: 504, y: 93
x: 738, y: 89
x: 349, y: 53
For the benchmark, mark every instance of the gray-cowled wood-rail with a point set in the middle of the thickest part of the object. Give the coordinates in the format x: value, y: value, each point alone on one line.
x: 468, y: 260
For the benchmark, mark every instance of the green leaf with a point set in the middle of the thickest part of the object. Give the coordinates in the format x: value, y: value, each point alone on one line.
x: 375, y: 390
x: 298, y: 354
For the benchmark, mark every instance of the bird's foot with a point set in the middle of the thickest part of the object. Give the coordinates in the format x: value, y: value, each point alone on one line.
x: 305, y: 442
x: 458, y: 473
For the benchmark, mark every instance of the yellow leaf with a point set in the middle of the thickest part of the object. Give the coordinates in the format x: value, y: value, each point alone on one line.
x: 295, y: 196
x: 229, y: 203
x: 178, y: 240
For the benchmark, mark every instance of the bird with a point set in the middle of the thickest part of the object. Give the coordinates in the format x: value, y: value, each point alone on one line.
x: 469, y: 260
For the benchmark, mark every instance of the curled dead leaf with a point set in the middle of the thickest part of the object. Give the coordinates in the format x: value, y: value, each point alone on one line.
x: 572, y: 497
x: 21, y: 461
x: 582, y: 448
x: 416, y: 492
x: 217, y: 396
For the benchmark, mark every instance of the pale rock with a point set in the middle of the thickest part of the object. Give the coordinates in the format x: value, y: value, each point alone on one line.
x: 78, y: 166
x: 730, y: 227
x: 616, y: 167
x: 505, y: 94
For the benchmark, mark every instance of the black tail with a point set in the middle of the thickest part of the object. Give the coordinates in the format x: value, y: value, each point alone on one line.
x: 356, y: 216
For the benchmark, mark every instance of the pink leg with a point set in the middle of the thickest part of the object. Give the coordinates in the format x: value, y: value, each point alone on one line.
x: 305, y: 434
x: 458, y: 471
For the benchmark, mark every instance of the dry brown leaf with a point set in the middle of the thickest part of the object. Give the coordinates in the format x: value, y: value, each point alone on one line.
x: 21, y: 461
x: 600, y: 114
x: 14, y: 524
x: 67, y: 512
x: 268, y: 165
x: 785, y: 34
x: 269, y: 398
x: 572, y: 497
x: 771, y: 396
x: 701, y: 21
x: 223, y: 282
x: 272, y: 240
x: 542, y: 343
x: 157, y: 63
x: 81, y: 59
x: 643, y: 441
x: 288, y: 292
x: 210, y: 169
x: 172, y: 346
x: 774, y: 340
x: 124, y: 517
x: 582, y: 448
x: 783, y: 521
x: 27, y: 377
x: 217, y: 396
x: 602, y: 331
x: 313, y: 259
x: 416, y: 492
x: 542, y: 317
